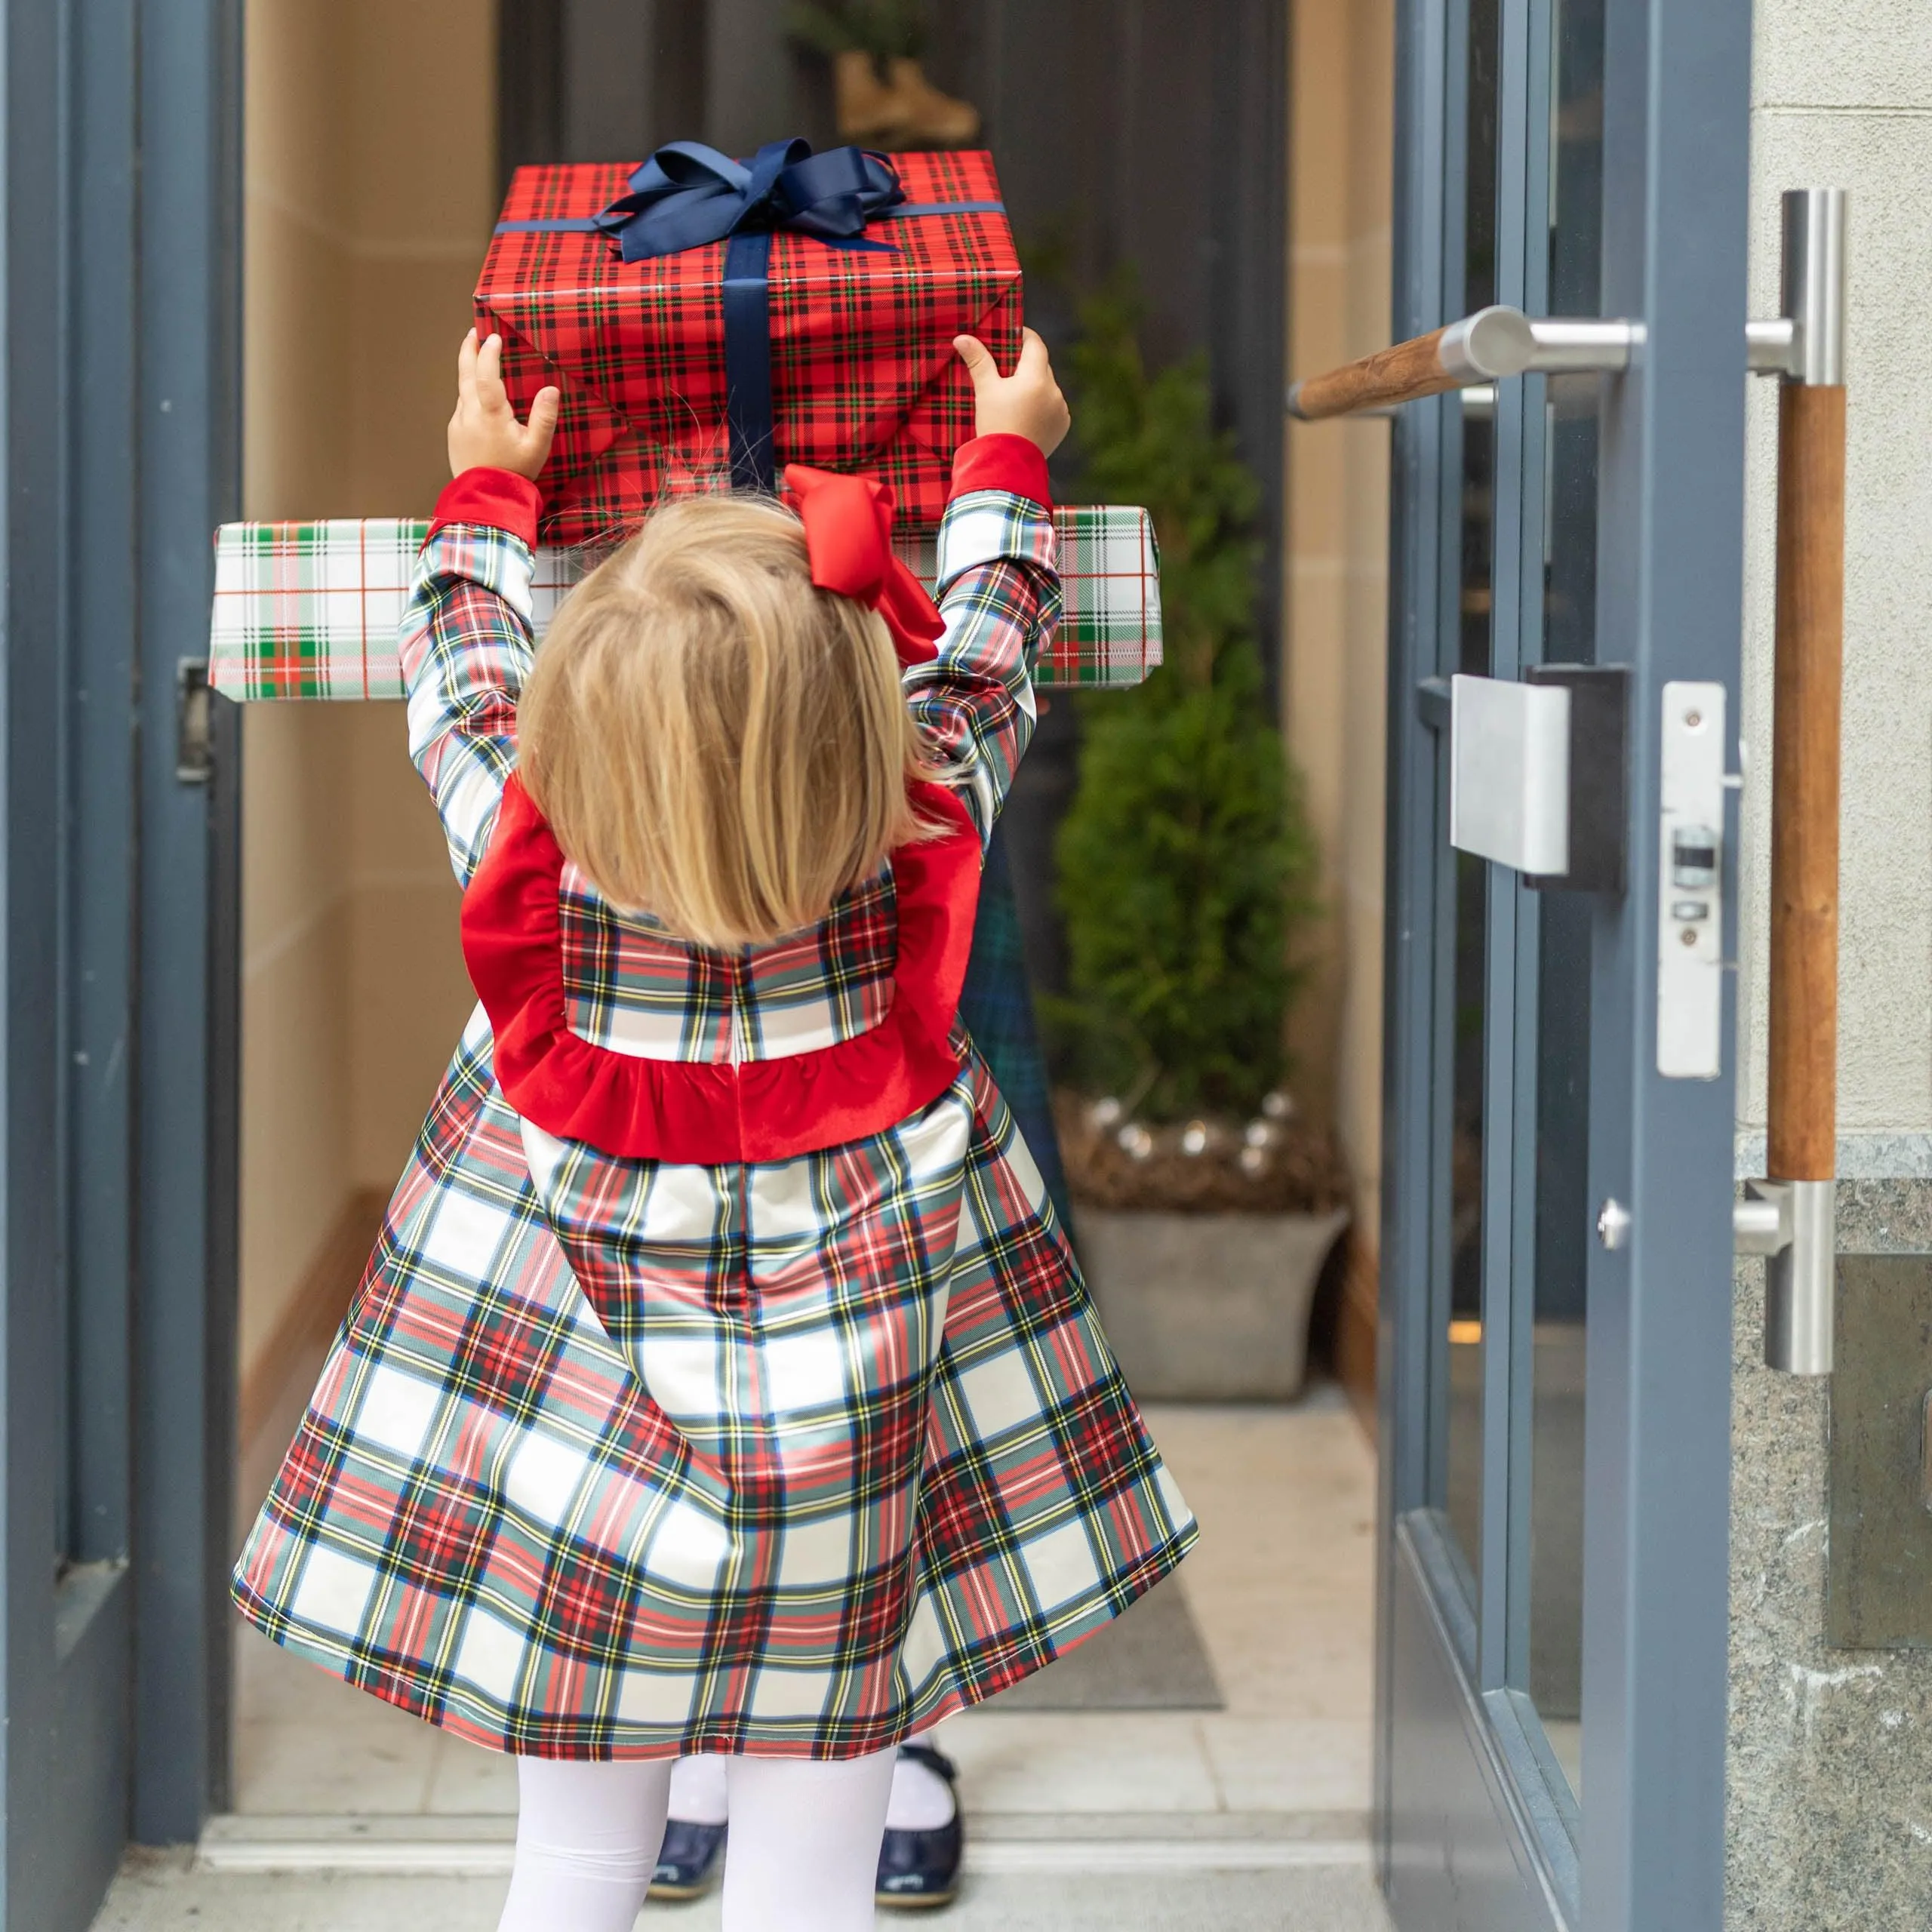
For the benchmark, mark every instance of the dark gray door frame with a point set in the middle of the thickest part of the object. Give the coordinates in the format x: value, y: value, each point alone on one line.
x: 1655, y: 1572
x: 118, y: 410
x: 64, y: 1739
x: 188, y: 437
x: 1469, y: 1833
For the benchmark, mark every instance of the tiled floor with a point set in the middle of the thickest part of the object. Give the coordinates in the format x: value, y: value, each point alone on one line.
x: 1250, y: 1817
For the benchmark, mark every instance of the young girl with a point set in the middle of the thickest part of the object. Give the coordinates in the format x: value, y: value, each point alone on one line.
x: 721, y: 1381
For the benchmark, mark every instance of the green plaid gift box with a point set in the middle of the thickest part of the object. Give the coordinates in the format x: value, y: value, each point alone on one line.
x: 312, y: 610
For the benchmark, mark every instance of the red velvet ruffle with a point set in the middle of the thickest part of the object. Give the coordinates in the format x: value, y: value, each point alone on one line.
x: 703, y: 1112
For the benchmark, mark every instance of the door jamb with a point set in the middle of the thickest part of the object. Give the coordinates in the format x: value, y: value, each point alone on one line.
x: 188, y: 453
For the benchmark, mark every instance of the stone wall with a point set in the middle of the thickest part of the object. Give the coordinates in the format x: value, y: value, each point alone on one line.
x: 1831, y: 1764
x: 1830, y: 1807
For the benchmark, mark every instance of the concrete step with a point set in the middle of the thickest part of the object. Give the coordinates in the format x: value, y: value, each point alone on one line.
x: 1084, y: 1872
x: 178, y: 1893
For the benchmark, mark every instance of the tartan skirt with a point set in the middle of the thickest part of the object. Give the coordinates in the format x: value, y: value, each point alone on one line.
x: 792, y: 1460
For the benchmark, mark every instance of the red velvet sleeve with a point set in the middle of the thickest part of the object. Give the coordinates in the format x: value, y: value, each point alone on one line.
x: 499, y: 498
x: 1002, y: 462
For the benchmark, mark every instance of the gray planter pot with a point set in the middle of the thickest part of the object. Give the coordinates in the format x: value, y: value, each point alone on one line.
x: 1207, y: 1307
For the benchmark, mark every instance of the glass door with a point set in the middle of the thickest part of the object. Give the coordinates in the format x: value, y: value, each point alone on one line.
x: 1557, y: 1247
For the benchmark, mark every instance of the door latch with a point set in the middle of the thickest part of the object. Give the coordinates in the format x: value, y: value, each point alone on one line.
x: 1691, y: 884
x: 194, y: 722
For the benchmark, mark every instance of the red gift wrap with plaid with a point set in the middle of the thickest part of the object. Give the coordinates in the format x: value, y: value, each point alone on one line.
x: 864, y: 378
x: 706, y: 1391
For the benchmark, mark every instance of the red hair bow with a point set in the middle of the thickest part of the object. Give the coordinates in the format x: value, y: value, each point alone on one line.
x: 848, y: 537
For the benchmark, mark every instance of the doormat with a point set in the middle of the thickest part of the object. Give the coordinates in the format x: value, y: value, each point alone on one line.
x: 1150, y: 1658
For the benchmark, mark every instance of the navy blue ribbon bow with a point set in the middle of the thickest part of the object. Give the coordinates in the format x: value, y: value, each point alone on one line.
x: 687, y: 196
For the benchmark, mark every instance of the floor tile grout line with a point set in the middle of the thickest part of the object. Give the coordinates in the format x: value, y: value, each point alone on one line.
x: 438, y: 1751
x: 1201, y: 1745
x: 488, y: 1857
x: 327, y: 1838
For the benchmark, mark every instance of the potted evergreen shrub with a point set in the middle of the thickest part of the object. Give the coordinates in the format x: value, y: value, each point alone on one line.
x: 1205, y: 1207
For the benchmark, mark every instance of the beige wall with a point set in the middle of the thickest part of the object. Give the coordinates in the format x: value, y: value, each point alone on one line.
x: 1342, y: 84
x: 371, y: 187
x: 1841, y: 96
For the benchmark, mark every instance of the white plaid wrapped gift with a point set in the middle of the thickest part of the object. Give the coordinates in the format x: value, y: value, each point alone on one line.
x: 312, y: 610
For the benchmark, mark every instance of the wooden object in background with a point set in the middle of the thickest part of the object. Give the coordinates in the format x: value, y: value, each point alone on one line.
x: 1808, y: 681
x: 1402, y: 373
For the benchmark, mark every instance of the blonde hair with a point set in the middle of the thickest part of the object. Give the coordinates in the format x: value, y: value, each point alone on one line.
x: 713, y: 740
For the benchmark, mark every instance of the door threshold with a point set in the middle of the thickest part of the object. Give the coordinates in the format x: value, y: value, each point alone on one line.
x: 422, y: 1846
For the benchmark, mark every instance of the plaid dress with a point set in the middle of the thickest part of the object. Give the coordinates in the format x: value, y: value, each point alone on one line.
x: 620, y: 1458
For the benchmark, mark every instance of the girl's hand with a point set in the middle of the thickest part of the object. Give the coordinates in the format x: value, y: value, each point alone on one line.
x: 484, y: 433
x: 1027, y: 403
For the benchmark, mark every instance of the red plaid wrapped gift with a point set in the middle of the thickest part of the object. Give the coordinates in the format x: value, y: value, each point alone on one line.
x: 810, y: 320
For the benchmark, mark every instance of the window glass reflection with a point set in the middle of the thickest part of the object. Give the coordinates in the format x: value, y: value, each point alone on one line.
x: 1562, y: 1206
x: 1463, y: 1499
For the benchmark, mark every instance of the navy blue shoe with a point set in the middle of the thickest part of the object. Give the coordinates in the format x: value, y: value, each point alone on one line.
x: 687, y: 1861
x: 919, y: 1869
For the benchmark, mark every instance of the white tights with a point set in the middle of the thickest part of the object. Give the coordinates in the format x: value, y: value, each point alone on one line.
x: 803, y: 1855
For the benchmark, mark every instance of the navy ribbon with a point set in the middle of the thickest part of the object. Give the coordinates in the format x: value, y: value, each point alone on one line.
x: 687, y: 196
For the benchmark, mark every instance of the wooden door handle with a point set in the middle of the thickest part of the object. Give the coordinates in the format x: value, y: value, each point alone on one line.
x: 1494, y: 342
x: 1406, y: 372
x: 1808, y: 681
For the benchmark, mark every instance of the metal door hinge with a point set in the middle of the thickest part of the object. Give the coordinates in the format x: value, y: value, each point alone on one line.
x: 194, y: 722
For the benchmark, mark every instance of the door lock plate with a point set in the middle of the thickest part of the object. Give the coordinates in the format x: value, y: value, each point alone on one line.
x: 1691, y: 884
